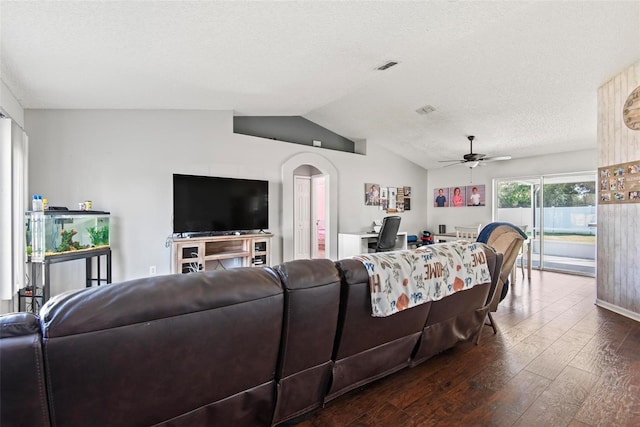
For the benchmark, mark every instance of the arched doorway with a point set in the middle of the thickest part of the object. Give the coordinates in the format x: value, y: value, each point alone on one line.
x: 309, y: 164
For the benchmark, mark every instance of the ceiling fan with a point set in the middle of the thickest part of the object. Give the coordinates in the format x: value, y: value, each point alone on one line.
x: 472, y: 159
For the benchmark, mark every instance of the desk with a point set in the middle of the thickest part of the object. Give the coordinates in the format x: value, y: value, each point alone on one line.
x: 351, y: 244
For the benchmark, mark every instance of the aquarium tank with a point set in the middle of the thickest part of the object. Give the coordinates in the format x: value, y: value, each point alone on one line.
x: 51, y: 233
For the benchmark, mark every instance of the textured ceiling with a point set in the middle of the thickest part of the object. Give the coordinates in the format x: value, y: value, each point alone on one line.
x: 520, y: 76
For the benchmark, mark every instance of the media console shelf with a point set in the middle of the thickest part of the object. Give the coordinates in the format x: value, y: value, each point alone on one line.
x: 212, y: 252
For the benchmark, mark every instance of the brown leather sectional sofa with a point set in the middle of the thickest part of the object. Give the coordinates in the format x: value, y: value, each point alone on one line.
x: 242, y: 347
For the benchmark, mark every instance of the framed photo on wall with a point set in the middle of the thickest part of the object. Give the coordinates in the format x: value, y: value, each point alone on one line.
x: 457, y: 196
x: 407, y: 198
x: 400, y: 199
x: 384, y: 198
x: 372, y: 195
x: 441, y: 197
x: 393, y: 194
x: 476, y: 195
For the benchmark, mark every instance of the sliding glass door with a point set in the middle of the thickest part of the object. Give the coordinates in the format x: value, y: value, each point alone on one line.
x: 569, y: 220
x: 517, y: 202
x: 558, y: 213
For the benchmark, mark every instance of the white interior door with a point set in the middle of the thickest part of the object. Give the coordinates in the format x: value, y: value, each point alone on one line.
x: 302, y: 217
x: 318, y: 209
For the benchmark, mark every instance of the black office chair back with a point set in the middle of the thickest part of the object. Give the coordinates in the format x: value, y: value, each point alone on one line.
x: 388, y: 234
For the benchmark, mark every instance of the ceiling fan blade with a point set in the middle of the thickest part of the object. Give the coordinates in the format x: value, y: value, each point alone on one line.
x: 471, y: 159
x: 495, y: 158
x: 459, y: 162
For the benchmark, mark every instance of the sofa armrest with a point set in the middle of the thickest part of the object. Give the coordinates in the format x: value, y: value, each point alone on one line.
x: 23, y: 397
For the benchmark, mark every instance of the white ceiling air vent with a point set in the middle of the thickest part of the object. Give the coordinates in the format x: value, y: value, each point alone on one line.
x: 425, y: 110
x: 387, y: 65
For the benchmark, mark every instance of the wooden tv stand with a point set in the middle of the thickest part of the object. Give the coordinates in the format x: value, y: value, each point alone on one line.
x: 213, y: 252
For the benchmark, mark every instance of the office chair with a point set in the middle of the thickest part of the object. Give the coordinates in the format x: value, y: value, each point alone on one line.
x: 387, y: 235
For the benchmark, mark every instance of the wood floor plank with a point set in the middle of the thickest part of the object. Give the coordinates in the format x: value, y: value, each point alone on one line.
x: 615, y: 399
x: 576, y: 423
x: 510, y: 402
x: 528, y: 349
x: 554, y: 359
x: 378, y: 414
x: 558, y: 405
x: 596, y: 357
x: 521, y: 331
x: 601, y: 352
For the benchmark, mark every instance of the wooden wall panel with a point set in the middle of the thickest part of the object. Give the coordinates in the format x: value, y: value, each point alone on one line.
x: 633, y: 77
x: 618, y: 270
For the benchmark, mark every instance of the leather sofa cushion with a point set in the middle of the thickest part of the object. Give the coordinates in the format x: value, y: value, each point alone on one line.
x: 129, y: 302
x: 180, y: 347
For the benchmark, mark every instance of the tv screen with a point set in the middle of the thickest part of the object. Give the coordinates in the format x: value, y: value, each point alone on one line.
x: 213, y: 204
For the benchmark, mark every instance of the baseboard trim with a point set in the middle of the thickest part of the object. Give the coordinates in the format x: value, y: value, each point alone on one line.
x: 616, y: 309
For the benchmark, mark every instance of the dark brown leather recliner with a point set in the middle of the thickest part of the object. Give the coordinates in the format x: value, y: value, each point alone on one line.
x: 368, y: 348
x: 23, y: 396
x: 179, y: 350
x: 312, y: 297
x: 458, y: 317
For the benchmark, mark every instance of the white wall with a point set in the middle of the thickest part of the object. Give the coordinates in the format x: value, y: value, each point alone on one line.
x: 123, y: 161
x: 578, y: 161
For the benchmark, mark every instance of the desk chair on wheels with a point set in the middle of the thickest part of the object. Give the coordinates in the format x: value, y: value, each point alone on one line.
x: 387, y: 236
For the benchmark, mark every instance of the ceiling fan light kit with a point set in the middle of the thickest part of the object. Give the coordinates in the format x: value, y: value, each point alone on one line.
x: 471, y: 159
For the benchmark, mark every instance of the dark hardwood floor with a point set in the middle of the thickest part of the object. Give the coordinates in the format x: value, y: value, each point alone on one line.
x: 557, y: 360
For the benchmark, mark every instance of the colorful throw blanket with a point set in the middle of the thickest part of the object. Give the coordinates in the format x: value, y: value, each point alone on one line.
x: 403, y: 279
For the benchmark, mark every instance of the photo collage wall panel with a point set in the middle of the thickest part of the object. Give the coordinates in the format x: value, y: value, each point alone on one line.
x: 619, y: 183
x: 460, y: 196
x: 389, y: 199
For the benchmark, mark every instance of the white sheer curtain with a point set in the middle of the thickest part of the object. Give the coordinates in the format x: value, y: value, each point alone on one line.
x: 13, y: 203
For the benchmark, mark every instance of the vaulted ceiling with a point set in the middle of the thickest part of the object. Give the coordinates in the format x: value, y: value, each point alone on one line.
x: 521, y: 76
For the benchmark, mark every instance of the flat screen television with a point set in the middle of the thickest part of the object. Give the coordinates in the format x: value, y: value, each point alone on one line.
x: 206, y: 204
